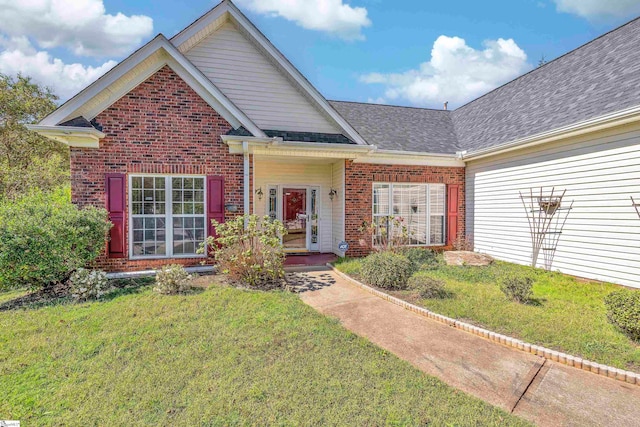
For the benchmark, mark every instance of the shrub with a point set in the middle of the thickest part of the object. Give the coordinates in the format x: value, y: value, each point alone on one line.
x: 44, y: 238
x: 422, y: 259
x: 172, y: 279
x: 251, y: 255
x: 387, y: 270
x: 427, y: 286
x: 623, y: 310
x: 517, y: 287
x: 87, y: 284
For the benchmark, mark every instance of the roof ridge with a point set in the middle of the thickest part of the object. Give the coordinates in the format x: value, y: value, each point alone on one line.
x: 550, y: 62
x: 390, y: 105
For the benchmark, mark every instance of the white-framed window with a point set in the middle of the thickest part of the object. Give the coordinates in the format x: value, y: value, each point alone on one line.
x: 419, y: 207
x: 167, y: 215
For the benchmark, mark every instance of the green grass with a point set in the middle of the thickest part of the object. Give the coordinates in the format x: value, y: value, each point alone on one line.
x: 566, y: 314
x: 218, y: 357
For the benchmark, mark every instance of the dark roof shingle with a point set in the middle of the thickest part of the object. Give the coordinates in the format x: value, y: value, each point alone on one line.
x: 601, y: 77
x: 401, y: 128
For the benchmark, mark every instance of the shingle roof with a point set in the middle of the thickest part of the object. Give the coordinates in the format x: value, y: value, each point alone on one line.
x: 600, y: 77
x: 401, y: 128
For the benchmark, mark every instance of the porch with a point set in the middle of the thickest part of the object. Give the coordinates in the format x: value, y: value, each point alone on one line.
x: 307, y: 195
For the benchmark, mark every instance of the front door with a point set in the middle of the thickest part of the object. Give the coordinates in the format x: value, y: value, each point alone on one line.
x: 294, y: 218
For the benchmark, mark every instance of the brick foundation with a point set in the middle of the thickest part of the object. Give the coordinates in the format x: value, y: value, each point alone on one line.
x: 359, y: 179
x: 162, y: 126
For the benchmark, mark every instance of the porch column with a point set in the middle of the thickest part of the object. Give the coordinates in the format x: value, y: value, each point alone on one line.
x: 246, y: 181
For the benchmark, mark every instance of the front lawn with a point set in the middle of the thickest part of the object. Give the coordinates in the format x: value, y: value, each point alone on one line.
x: 221, y: 356
x: 566, y: 314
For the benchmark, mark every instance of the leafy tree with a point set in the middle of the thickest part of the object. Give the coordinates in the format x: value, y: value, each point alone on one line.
x: 28, y: 160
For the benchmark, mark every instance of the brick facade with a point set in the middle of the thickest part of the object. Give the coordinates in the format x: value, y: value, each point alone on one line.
x: 162, y: 127
x: 359, y: 179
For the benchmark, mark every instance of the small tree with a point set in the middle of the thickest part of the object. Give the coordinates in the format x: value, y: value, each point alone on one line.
x: 251, y: 255
x: 389, y: 233
x: 28, y: 160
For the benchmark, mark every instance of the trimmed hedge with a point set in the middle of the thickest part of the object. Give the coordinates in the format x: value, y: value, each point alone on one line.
x: 44, y: 238
x: 623, y: 310
x: 387, y: 270
x: 427, y: 286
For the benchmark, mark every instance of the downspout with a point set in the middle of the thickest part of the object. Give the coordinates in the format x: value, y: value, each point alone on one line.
x: 245, y: 153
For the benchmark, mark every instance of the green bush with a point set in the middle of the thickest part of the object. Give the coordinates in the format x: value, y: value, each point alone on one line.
x: 44, y: 238
x: 172, y: 279
x: 422, y: 259
x: 427, y: 286
x: 252, y: 255
x: 387, y: 270
x: 517, y: 287
x: 85, y: 284
x: 623, y: 310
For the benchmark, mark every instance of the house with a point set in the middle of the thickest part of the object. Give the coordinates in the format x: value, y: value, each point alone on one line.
x: 215, y: 122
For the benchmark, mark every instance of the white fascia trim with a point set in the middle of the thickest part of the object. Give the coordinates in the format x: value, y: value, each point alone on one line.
x: 618, y: 118
x: 71, y: 135
x: 238, y: 16
x: 188, y: 72
x: 234, y: 142
x: 411, y: 158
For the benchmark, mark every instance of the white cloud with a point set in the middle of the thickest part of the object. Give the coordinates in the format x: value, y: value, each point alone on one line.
x: 83, y: 26
x: 599, y: 9
x: 456, y: 73
x: 20, y: 57
x: 331, y: 16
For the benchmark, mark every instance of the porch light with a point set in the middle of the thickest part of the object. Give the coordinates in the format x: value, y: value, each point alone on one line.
x: 333, y: 193
x: 259, y: 193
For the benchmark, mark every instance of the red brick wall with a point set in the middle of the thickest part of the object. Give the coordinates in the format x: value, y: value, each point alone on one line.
x: 162, y: 126
x: 359, y: 179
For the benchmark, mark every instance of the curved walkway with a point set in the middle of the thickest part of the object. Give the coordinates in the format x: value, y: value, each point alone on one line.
x: 545, y: 392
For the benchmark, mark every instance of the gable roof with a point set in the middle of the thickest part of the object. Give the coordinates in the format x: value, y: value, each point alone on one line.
x: 598, y: 78
x: 225, y: 12
x: 401, y: 128
x: 135, y: 69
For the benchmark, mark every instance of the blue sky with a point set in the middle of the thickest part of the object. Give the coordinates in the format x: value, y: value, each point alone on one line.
x: 362, y: 50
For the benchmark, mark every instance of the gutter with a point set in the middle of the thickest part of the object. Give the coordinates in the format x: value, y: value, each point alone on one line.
x: 73, y: 136
x: 607, y: 121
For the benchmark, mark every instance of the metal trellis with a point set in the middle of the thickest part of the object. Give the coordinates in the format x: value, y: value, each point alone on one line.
x: 546, y: 216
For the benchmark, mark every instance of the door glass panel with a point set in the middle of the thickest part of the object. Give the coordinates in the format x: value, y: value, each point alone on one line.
x: 273, y: 203
x: 314, y: 217
x: 294, y: 217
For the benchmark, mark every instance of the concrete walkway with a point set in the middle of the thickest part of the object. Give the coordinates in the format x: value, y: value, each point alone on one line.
x: 547, y: 393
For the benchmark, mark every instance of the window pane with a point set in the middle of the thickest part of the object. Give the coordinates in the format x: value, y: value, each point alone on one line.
x: 437, y: 230
x: 136, y: 182
x: 198, y: 183
x: 160, y: 182
x: 148, y: 182
x: 437, y: 199
x: 381, y: 199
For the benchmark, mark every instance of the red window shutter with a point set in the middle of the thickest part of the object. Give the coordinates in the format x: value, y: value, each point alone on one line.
x: 452, y: 213
x: 215, y: 201
x: 115, y: 188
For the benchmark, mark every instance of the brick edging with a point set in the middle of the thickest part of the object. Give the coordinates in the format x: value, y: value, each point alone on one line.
x: 556, y: 356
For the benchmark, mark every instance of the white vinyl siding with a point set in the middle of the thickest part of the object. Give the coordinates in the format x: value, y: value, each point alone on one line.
x: 254, y: 83
x: 337, y: 206
x: 292, y: 173
x: 601, y: 238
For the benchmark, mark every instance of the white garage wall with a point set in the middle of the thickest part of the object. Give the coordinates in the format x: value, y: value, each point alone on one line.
x: 601, y: 239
